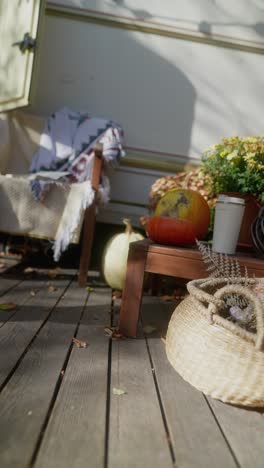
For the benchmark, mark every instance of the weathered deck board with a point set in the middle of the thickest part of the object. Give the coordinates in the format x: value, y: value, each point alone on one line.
x: 21, y: 295
x: 8, y: 264
x: 244, y: 430
x: 18, y: 332
x: 73, y: 419
x: 26, y: 398
x: 196, y: 438
x: 80, y: 409
x: 137, y: 436
x: 6, y: 284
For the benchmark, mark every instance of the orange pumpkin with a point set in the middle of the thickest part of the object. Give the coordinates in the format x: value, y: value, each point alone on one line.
x: 186, y: 204
x: 171, y: 231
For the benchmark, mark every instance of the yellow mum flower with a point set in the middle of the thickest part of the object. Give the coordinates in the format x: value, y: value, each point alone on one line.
x: 249, y: 156
x: 224, y: 153
x: 252, y: 164
x: 250, y: 139
x: 232, y: 155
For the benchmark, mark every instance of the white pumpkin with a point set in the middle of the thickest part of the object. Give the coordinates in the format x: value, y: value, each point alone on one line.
x: 115, y: 256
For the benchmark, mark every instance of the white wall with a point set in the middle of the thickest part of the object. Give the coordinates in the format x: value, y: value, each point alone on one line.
x: 172, y: 96
x: 241, y: 19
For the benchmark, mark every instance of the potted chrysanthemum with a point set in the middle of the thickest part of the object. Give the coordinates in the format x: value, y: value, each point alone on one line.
x: 236, y: 165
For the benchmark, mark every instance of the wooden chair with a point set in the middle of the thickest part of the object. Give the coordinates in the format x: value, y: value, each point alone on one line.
x: 20, y: 214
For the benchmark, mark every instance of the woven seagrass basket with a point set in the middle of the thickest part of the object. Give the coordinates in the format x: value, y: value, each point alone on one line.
x: 215, y: 355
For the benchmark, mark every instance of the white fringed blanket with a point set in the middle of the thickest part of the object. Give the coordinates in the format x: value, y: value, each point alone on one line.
x: 60, y: 172
x: 67, y: 145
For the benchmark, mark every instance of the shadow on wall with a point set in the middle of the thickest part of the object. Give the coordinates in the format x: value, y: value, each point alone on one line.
x: 205, y: 27
x: 120, y: 75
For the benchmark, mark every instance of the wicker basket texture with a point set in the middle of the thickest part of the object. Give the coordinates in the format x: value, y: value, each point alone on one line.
x: 217, y: 356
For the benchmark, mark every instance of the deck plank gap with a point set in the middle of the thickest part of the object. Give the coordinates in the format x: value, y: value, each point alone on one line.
x: 166, y: 427
x: 57, y: 387
x: 108, y: 399
x: 20, y: 359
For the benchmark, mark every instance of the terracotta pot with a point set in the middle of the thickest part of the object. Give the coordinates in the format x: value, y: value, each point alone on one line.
x: 252, y: 206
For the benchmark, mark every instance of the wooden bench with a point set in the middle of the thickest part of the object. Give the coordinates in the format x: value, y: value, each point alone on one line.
x: 146, y: 256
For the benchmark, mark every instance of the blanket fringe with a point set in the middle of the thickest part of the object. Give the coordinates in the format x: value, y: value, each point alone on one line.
x: 65, y: 235
x: 64, y: 239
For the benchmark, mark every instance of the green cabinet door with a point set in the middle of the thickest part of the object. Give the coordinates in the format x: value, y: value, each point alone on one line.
x: 19, y: 20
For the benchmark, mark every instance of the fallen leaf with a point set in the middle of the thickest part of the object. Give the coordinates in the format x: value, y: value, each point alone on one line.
x: 8, y: 306
x: 149, y: 329
x: 29, y: 270
x: 119, y: 391
x: 116, y: 295
x: 114, y: 333
x: 32, y: 293
x: 53, y: 273
x: 79, y: 343
x: 52, y: 288
x: 89, y: 289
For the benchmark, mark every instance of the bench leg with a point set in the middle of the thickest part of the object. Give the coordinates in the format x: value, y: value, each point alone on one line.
x: 133, y: 290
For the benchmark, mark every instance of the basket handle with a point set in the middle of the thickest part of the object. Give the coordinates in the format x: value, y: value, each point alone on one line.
x: 195, y: 289
x: 215, y: 302
x: 258, y: 308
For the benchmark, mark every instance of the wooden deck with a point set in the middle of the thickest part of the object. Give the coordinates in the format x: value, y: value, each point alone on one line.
x: 58, y: 404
